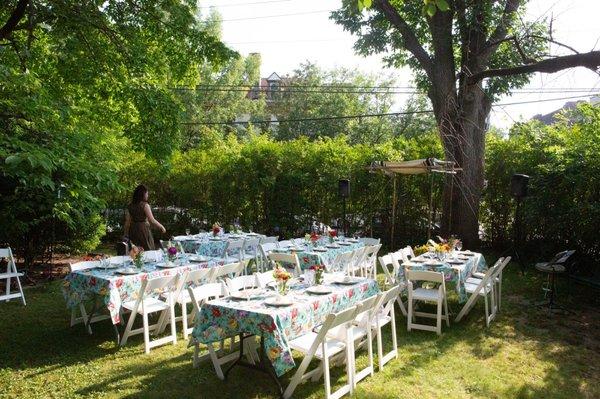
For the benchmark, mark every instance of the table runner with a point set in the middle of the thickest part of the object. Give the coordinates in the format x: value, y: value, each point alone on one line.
x: 226, y: 317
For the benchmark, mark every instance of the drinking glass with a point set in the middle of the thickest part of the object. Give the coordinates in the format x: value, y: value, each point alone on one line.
x: 187, y: 231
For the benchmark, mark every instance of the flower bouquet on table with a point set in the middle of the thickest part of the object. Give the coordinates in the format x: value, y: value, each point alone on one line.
x: 171, y: 254
x: 332, y: 235
x: 441, y: 250
x: 137, y: 255
x: 318, y: 270
x: 314, y: 238
x: 216, y: 229
x: 420, y: 250
x: 281, y: 277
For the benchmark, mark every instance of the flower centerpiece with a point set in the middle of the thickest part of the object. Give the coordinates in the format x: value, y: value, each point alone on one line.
x: 332, y: 235
x: 441, y: 250
x: 420, y: 250
x: 281, y: 277
x: 137, y: 255
x: 216, y: 229
x: 314, y: 238
x: 318, y: 270
x: 171, y: 253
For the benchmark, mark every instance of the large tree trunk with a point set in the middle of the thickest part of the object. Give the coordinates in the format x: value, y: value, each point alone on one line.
x: 462, y: 129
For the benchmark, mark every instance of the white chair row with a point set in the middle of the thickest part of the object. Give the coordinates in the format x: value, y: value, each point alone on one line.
x: 337, y: 339
x: 361, y: 261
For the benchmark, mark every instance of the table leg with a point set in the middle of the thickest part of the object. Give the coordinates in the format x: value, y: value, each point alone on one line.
x: 264, y: 365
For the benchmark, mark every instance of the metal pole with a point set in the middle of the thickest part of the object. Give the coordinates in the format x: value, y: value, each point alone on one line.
x: 344, y: 224
x: 393, y: 214
x: 430, y: 206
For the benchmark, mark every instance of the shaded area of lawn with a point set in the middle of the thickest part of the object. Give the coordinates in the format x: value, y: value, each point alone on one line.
x: 523, y: 354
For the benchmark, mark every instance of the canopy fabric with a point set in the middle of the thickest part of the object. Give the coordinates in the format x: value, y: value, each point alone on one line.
x: 415, y: 167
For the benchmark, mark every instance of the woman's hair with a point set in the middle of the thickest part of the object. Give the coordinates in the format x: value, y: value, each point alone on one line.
x: 138, y: 194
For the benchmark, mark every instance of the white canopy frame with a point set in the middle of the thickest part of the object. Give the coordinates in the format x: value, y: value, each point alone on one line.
x: 416, y: 167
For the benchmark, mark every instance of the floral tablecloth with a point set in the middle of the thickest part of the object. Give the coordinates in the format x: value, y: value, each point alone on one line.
x: 208, y: 247
x: 226, y: 317
x: 114, y: 289
x: 309, y: 257
x: 455, y: 273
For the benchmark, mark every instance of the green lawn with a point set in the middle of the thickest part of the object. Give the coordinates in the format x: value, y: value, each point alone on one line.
x: 523, y: 354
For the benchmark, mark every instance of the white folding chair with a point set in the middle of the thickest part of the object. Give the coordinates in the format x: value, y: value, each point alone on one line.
x: 497, y: 279
x: 408, y: 251
x: 363, y: 333
x: 393, y: 277
x: 323, y: 347
x: 11, y: 274
x: 482, y: 288
x: 199, y: 297
x: 384, y: 314
x: 342, y: 263
x: 194, y: 280
x: 83, y: 316
x: 250, y: 250
x: 298, y: 241
x: 356, y: 264
x: 264, y: 278
x: 233, y: 251
x: 229, y: 270
x: 289, y: 262
x: 240, y: 283
x: 369, y: 265
x: 435, y: 295
x: 265, y: 250
x: 285, y: 243
x: 148, y: 302
x: 369, y: 240
x: 269, y: 240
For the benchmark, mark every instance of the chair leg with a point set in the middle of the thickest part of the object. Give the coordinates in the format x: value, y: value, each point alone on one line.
x: 184, y: 320
x: 146, y: 332
x: 173, y: 325
x: 487, y: 314
x: 410, y: 316
x: 439, y: 317
x: 447, y: 314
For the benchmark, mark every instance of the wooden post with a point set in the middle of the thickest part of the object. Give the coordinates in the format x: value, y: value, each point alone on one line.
x: 393, y: 214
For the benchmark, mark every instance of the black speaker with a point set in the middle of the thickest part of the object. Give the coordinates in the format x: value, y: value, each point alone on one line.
x: 518, y: 185
x: 344, y: 188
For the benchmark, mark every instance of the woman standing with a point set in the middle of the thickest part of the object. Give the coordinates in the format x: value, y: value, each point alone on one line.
x: 138, y: 218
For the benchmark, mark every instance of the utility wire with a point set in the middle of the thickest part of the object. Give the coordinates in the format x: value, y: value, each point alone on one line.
x: 276, y: 15
x: 244, y: 4
x: 340, y: 117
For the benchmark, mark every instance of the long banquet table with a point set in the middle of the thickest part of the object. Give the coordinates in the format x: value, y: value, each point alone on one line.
x: 112, y: 289
x: 227, y: 317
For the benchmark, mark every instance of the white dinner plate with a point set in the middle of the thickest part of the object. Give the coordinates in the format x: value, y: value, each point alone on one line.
x: 165, y: 265
x: 345, y: 243
x: 247, y: 294
x: 278, y: 302
x: 319, y: 290
x: 198, y: 258
x: 348, y: 280
x: 320, y: 249
x: 128, y: 271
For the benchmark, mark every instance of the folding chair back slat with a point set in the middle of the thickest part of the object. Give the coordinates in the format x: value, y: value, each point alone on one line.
x: 231, y: 269
x: 285, y: 260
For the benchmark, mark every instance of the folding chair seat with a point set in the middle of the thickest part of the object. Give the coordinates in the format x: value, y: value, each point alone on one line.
x: 325, y: 348
x: 148, y: 302
x: 435, y: 295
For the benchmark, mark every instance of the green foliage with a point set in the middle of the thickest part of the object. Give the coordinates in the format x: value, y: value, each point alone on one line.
x: 275, y: 186
x: 81, y: 86
x: 563, y: 161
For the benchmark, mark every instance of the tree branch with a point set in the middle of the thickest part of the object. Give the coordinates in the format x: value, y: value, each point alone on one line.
x: 411, y: 42
x: 589, y: 60
x: 510, y: 7
x: 16, y: 16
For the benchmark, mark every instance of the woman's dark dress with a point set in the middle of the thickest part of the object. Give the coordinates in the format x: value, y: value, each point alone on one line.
x: 139, y: 231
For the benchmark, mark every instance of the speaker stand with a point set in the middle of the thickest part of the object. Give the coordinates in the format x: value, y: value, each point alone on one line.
x: 513, y: 250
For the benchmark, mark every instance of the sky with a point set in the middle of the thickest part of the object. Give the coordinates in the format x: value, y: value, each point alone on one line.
x: 285, y: 41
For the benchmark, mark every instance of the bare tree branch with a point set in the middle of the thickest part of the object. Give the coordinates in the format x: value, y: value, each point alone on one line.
x: 510, y: 7
x: 16, y: 16
x: 411, y: 42
x: 589, y: 60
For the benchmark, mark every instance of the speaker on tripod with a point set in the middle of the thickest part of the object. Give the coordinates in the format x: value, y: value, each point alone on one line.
x: 519, y: 184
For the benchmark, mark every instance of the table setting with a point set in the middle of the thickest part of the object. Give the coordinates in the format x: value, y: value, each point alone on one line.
x: 278, y: 316
x: 321, y: 251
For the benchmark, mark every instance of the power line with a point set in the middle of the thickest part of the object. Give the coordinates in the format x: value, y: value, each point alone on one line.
x: 276, y: 15
x: 360, y: 116
x: 245, y: 4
